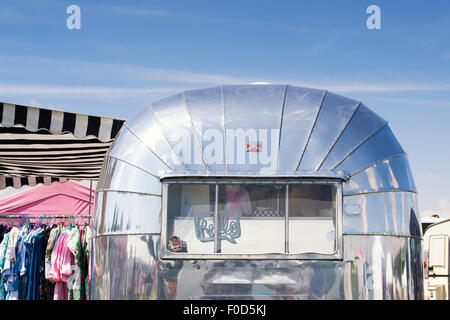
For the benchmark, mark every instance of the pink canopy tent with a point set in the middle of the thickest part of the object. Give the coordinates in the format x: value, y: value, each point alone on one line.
x: 69, y: 198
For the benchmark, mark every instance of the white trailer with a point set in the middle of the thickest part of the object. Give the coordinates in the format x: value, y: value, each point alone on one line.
x: 436, y: 260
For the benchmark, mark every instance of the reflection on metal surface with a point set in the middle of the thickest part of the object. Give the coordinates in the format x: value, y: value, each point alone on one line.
x: 387, y: 175
x: 381, y: 213
x: 261, y: 115
x: 147, y: 129
x: 374, y: 267
x: 414, y: 226
x: 176, y: 123
x: 380, y: 146
x: 300, y: 112
x: 201, y: 105
x: 335, y: 113
x: 130, y: 149
x: 118, y: 175
x: 362, y: 125
x: 121, y: 212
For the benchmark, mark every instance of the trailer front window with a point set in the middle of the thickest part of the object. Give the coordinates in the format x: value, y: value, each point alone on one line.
x: 251, y: 218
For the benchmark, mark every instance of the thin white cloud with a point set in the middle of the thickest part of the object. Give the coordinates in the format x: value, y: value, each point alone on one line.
x: 145, y: 73
x: 143, y: 79
x: 108, y: 71
x: 110, y: 91
x: 384, y: 87
x: 43, y: 90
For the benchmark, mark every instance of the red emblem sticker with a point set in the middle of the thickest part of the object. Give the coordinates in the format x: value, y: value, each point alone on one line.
x: 254, y: 147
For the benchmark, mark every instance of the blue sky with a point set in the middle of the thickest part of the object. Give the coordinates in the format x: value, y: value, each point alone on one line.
x: 130, y: 52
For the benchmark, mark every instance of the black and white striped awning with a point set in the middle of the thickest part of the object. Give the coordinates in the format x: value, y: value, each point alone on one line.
x: 42, y: 146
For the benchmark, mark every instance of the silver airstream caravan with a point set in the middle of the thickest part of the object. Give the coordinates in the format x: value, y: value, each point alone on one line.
x: 256, y: 192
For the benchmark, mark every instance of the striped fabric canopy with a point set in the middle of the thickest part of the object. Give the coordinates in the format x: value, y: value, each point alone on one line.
x: 42, y: 146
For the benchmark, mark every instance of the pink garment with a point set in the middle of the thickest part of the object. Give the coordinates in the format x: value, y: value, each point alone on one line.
x: 234, y: 199
x: 61, y: 267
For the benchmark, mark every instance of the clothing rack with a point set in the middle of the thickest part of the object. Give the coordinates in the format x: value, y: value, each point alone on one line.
x: 33, y: 218
x: 46, y: 216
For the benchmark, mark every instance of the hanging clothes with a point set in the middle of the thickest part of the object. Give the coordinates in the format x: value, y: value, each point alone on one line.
x: 36, y: 268
x: 39, y: 262
x: 61, y: 267
x: 10, y: 271
x: 3, y: 230
x: 25, y: 252
x: 86, y: 236
x: 77, y: 290
x: 47, y: 289
x: 3, y: 247
x: 54, y: 234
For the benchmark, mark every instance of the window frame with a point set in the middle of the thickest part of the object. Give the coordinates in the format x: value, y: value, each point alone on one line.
x: 336, y: 255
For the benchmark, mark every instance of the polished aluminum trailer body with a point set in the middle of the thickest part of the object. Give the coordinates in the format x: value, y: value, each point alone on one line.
x: 316, y: 135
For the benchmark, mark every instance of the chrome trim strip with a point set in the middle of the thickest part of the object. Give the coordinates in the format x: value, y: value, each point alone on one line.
x: 344, y: 234
x: 254, y: 181
x: 281, y: 126
x: 338, y: 137
x: 312, y: 129
x: 224, y: 129
x: 164, y: 206
x: 378, y: 162
x: 382, y: 235
x: 193, y: 131
x: 373, y: 192
x: 133, y: 165
x: 166, y: 164
x: 281, y: 256
x: 128, y: 191
x: 217, y: 244
x: 165, y: 136
x: 341, y: 175
x: 362, y: 142
x: 124, y: 234
x: 286, y: 222
x: 339, y: 219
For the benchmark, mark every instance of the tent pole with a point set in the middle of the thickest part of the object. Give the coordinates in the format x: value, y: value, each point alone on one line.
x: 90, y: 196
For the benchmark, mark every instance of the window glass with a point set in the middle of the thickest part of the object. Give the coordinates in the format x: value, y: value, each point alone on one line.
x: 258, y: 210
x: 186, y: 201
x: 312, y: 212
x: 312, y: 200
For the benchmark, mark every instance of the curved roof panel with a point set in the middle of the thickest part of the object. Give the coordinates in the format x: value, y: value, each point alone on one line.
x: 260, y: 130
